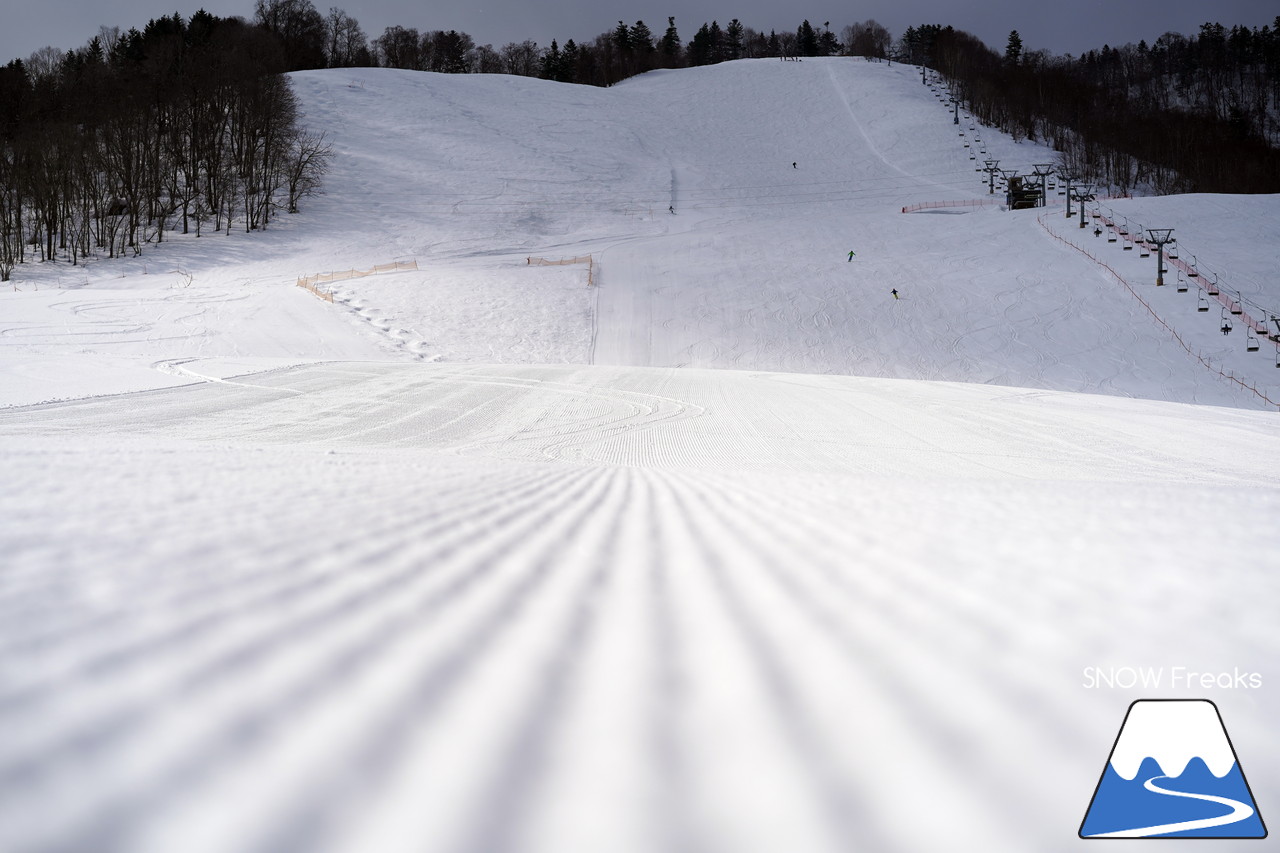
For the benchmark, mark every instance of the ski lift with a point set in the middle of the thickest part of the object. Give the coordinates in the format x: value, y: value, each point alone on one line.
x: 1202, y: 304
x: 1111, y: 236
x: 1173, y: 250
x: 1193, y: 272
x: 1250, y: 340
x: 1182, y: 284
x: 1213, y: 288
x: 1146, y: 249
x: 1236, y: 309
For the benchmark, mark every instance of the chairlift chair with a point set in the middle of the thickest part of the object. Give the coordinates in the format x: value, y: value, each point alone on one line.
x: 1182, y: 284
x: 1173, y: 250
x: 1250, y: 340
x: 1193, y: 272
x: 1236, y: 309
x: 1202, y: 304
x: 1213, y: 287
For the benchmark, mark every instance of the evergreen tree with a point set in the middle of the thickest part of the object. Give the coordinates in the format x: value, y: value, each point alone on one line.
x: 828, y: 45
x: 716, y: 43
x: 733, y: 40
x: 806, y: 40
x: 551, y: 62
x: 622, y: 37
x: 569, y: 62
x: 1013, y: 50
x: 669, y: 46
x: 641, y: 38
x: 700, y: 47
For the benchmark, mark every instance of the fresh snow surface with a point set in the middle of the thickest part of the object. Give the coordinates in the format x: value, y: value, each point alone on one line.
x: 730, y: 551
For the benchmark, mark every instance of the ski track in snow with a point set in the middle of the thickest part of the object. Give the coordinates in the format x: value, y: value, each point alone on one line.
x: 477, y: 559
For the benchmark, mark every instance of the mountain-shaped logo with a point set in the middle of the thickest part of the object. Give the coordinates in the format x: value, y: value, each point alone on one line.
x: 1172, y: 773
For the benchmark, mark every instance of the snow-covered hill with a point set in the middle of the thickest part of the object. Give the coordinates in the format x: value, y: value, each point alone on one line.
x: 478, y: 557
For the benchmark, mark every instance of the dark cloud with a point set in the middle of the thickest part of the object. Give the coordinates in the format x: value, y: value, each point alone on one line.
x: 1059, y: 27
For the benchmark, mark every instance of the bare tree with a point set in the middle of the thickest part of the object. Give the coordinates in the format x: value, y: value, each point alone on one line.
x: 306, y: 165
x: 522, y: 59
x: 346, y: 44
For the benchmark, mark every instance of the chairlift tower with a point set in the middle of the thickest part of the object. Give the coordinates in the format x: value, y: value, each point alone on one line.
x: 1084, y: 193
x: 1043, y: 171
x: 1067, y: 177
x: 1160, y: 237
x: 992, y: 166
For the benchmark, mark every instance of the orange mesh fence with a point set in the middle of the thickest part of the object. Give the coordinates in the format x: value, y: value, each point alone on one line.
x: 1228, y: 375
x: 563, y: 262
x: 309, y: 282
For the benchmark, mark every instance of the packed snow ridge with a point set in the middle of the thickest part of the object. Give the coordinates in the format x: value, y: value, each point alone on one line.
x: 709, y: 544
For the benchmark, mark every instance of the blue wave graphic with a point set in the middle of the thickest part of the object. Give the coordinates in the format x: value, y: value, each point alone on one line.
x: 1121, y: 805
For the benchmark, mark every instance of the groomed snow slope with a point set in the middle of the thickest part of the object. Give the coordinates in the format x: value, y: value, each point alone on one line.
x: 319, y: 595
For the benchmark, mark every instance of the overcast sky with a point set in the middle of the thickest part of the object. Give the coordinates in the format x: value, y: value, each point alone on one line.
x: 1059, y: 26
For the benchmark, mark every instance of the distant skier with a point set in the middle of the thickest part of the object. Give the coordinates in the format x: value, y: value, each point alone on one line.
x: 672, y: 208
x: 851, y: 254
x: 894, y: 292
x: 793, y: 165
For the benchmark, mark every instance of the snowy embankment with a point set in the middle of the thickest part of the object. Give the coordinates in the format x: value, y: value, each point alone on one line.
x: 567, y: 589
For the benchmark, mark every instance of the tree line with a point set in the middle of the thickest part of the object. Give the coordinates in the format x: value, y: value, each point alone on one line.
x: 184, y: 125
x: 1185, y: 114
x: 191, y: 124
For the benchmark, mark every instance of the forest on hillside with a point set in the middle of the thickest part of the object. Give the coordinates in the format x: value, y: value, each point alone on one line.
x: 187, y: 125
x: 192, y: 125
x: 1194, y: 113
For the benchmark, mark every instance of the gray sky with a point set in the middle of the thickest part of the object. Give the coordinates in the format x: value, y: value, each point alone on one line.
x: 1059, y: 26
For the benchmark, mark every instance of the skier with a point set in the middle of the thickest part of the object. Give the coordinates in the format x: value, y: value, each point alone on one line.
x: 793, y: 165
x: 1226, y: 328
x: 894, y: 292
x: 851, y: 253
x: 672, y: 208
x: 1097, y: 232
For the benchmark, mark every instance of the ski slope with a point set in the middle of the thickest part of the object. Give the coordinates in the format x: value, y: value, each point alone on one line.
x: 728, y: 551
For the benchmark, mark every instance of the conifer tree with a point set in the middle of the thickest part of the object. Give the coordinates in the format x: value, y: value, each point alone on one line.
x: 551, y: 61
x: 733, y: 40
x: 806, y: 40
x: 669, y: 46
x: 1013, y: 50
